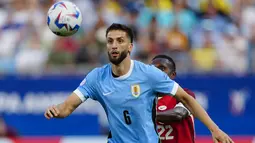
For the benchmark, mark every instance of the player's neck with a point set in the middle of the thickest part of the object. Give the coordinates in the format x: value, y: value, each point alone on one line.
x: 122, y: 68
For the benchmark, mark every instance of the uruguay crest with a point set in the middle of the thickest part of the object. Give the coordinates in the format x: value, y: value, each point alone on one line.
x: 135, y: 89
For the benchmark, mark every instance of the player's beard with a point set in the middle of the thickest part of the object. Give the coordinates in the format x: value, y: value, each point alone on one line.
x: 117, y: 61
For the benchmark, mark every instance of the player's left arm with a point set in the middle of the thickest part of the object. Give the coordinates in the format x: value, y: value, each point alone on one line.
x: 161, y: 83
x: 197, y: 110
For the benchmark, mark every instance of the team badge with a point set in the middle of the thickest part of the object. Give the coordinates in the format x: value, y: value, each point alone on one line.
x: 135, y: 90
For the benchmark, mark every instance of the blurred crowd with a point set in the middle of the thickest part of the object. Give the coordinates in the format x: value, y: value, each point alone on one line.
x: 202, y: 36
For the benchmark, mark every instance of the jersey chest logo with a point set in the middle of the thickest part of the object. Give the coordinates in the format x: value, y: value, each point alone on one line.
x: 162, y: 107
x: 135, y: 89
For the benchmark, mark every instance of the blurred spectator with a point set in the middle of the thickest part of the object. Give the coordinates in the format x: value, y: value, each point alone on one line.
x: 63, y: 52
x: 251, y: 51
x: 222, y: 6
x: 177, y: 41
x: 247, y: 11
x: 112, y: 11
x: 236, y: 48
x: 180, y: 12
x: 204, y: 57
x: 198, y: 38
x: 94, y: 44
x: 15, y: 19
x: 88, y: 10
x: 213, y: 16
x: 148, y: 41
x: 31, y: 58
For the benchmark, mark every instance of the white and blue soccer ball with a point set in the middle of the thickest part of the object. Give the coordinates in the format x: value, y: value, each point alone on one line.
x: 64, y: 18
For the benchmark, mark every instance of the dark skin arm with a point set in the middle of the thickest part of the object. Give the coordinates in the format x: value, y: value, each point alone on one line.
x: 175, y: 115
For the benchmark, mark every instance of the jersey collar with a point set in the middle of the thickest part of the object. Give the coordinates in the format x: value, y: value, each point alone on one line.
x: 128, y: 73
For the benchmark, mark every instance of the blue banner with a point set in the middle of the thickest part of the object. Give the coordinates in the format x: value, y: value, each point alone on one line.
x: 228, y: 100
x: 23, y: 101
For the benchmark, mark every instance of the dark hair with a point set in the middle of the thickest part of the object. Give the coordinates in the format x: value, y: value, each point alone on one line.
x: 173, y: 67
x: 122, y: 27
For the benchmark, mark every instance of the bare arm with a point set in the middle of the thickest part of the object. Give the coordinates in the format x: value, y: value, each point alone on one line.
x: 64, y: 109
x: 196, y: 109
x: 174, y: 115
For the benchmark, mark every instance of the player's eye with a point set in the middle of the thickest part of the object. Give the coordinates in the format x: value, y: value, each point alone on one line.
x: 109, y: 41
x: 120, y: 40
x: 162, y: 68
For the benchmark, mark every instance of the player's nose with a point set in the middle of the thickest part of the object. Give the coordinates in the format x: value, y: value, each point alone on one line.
x: 114, y: 46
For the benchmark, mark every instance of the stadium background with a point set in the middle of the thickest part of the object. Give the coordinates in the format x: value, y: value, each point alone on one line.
x: 212, y: 41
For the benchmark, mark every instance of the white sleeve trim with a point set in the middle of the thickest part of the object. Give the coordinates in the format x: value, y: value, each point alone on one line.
x: 181, y: 105
x: 80, y: 95
x: 175, y: 88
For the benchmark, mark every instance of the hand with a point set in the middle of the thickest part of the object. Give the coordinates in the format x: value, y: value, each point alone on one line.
x: 51, y: 112
x: 220, y: 137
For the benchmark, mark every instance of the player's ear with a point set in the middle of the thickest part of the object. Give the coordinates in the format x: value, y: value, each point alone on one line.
x: 130, y: 47
x: 173, y: 74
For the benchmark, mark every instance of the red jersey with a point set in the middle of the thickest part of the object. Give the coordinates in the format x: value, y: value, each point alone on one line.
x: 178, y: 132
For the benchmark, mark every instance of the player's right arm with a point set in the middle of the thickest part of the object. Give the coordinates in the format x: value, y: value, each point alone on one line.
x: 177, y: 114
x: 64, y: 109
x: 86, y: 89
x: 174, y: 115
x: 161, y: 83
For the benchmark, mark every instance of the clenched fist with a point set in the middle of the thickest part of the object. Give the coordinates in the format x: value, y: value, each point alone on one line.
x: 51, y: 112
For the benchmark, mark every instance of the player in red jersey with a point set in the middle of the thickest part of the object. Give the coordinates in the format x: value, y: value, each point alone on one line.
x: 174, y: 121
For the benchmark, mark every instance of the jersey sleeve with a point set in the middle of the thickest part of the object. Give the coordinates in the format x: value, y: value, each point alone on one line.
x: 87, y: 88
x: 161, y: 83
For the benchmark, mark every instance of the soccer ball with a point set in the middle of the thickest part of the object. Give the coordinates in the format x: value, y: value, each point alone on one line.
x: 64, y: 18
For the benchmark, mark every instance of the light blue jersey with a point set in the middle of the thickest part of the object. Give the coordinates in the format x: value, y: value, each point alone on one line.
x: 128, y: 99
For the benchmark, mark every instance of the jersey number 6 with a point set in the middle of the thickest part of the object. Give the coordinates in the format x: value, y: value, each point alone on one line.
x: 127, y: 117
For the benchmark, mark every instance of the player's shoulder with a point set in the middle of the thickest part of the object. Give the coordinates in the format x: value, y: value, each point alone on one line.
x: 104, y: 68
x: 191, y: 93
x: 140, y: 64
x: 99, y: 71
x: 144, y: 67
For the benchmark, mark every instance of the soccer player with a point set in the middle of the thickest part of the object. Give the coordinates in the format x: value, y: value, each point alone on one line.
x: 174, y: 121
x: 126, y: 89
